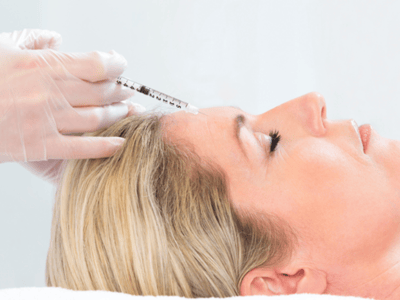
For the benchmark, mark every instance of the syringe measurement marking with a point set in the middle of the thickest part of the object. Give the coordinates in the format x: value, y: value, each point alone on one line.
x: 150, y: 92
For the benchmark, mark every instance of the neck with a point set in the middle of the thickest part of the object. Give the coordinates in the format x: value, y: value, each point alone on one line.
x: 379, y: 279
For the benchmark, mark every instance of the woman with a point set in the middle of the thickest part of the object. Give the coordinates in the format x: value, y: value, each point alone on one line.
x: 205, y: 206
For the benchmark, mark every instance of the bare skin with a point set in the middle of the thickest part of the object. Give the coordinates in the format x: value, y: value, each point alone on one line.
x: 344, y: 203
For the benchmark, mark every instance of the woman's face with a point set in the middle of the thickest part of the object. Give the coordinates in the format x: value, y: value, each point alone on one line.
x: 344, y: 203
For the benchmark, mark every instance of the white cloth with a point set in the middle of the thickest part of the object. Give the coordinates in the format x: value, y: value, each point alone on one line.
x: 51, y: 293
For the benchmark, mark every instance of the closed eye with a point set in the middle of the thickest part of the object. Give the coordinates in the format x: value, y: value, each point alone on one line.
x: 275, y: 138
x: 271, y: 141
x: 274, y: 135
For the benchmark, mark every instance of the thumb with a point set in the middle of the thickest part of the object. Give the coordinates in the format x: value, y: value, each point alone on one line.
x: 92, y: 66
x: 85, y: 147
x: 34, y: 39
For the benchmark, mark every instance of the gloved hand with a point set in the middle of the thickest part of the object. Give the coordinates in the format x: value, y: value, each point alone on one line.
x: 45, y: 94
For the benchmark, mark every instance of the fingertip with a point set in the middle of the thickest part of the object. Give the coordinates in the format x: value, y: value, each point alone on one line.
x: 114, y: 145
x: 116, y: 65
x: 136, y: 108
x: 117, y: 141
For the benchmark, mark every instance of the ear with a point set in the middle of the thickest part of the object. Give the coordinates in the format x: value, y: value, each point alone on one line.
x: 269, y: 281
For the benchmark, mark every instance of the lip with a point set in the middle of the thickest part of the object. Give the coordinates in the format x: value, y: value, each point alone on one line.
x: 354, y: 123
x: 365, y: 133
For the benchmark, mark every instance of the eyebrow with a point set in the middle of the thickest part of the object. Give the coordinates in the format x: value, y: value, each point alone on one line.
x: 240, y: 120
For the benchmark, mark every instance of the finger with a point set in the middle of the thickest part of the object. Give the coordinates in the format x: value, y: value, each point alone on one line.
x: 92, y: 66
x: 76, y: 147
x: 90, y: 119
x: 82, y: 93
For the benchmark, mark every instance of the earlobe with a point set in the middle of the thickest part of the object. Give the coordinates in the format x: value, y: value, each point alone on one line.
x: 260, y: 281
x: 313, y: 281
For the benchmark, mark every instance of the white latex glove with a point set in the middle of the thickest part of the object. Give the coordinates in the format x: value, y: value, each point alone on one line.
x: 45, y: 94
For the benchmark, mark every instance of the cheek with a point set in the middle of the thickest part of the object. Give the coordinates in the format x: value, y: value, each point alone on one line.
x: 305, y: 182
x: 311, y: 166
x: 314, y: 191
x: 332, y: 199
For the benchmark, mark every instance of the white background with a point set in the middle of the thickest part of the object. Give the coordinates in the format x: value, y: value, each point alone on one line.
x: 251, y: 54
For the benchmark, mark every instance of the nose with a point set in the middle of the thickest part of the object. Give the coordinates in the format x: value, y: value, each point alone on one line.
x: 312, y: 110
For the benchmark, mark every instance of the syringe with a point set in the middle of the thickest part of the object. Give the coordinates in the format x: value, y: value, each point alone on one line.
x: 159, y: 96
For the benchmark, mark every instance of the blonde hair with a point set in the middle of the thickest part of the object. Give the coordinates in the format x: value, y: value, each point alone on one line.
x: 155, y: 219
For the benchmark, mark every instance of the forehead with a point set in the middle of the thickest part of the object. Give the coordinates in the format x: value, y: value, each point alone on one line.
x: 209, y: 131
x: 208, y: 117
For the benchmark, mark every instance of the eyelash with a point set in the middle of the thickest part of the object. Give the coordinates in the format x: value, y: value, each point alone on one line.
x: 276, y: 137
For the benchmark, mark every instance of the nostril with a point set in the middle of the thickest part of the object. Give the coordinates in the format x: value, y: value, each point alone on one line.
x: 318, y: 108
x: 323, y: 112
x: 322, y: 104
